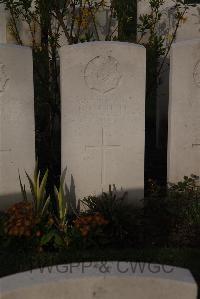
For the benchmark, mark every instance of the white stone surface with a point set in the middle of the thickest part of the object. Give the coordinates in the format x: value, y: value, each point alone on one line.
x: 25, y: 34
x: 184, y: 111
x: 103, y: 110
x: 3, y: 24
x: 188, y: 29
x: 6, y: 35
x: 103, y: 280
x: 17, y: 136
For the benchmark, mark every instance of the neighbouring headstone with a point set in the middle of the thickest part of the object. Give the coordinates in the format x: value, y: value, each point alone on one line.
x: 184, y: 111
x: 103, y: 117
x: 26, y: 35
x: 17, y: 132
x: 105, y: 24
x: 103, y: 280
x: 189, y: 28
x: 3, y: 24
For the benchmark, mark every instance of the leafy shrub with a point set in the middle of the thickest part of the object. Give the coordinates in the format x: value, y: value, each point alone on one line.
x: 89, y: 223
x: 57, y: 231
x: 3, y: 218
x: 121, y: 216
x: 53, y: 238
x: 38, y: 190
x: 168, y: 218
x: 186, y: 195
x: 88, y: 231
x: 173, y: 218
x: 61, y: 204
x: 30, y: 219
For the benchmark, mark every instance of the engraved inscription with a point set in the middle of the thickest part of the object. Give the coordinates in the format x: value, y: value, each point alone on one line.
x: 3, y: 78
x: 108, y: 109
x: 102, y: 74
x: 196, y: 74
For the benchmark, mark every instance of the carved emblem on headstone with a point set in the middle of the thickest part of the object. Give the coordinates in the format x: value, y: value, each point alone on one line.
x: 3, y: 78
x: 196, y: 74
x: 102, y: 74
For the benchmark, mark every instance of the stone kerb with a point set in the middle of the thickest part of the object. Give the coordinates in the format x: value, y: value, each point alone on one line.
x: 103, y: 280
x: 103, y: 117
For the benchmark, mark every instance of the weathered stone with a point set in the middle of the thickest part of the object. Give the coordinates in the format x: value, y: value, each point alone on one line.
x: 189, y: 26
x: 3, y: 24
x: 103, y: 107
x: 17, y: 133
x: 104, y: 25
x: 184, y: 111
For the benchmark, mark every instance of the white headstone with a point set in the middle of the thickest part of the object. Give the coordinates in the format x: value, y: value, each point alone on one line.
x: 17, y: 141
x: 184, y: 111
x: 189, y: 27
x: 105, y: 24
x: 103, y: 117
x: 26, y: 36
x: 3, y: 24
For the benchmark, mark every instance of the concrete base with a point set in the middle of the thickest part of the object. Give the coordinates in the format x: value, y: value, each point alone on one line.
x: 103, y: 280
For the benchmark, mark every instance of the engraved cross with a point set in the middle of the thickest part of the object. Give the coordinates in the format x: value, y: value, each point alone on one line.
x: 4, y: 150
x: 195, y: 144
x: 103, y: 148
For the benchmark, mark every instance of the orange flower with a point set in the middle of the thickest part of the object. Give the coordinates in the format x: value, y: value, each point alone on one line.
x: 20, y: 219
x: 38, y: 233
